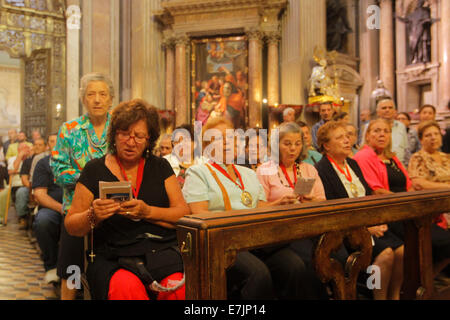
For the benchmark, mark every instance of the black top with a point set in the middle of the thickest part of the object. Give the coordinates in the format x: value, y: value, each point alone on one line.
x: 26, y: 165
x: 396, y: 178
x: 118, y: 228
x: 152, y: 192
x: 43, y: 178
x: 334, y: 188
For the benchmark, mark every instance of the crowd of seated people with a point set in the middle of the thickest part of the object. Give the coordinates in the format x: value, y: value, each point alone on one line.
x: 132, y: 252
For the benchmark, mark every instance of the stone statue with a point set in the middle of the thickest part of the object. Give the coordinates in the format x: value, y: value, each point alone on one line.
x: 337, y: 25
x: 418, y: 25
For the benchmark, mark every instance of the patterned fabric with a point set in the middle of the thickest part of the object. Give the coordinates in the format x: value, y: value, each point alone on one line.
x: 422, y: 165
x: 77, y: 144
x: 182, y: 176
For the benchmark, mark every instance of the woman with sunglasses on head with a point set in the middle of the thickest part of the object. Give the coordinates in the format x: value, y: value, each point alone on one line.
x: 143, y: 225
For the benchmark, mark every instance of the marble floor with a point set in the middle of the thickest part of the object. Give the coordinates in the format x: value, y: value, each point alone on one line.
x: 21, y: 268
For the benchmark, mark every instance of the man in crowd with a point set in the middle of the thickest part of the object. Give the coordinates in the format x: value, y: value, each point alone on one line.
x: 326, y: 112
x: 427, y: 113
x: 386, y: 110
x: 19, y: 198
x: 23, y: 193
x: 12, y: 138
x: 165, y: 145
x: 13, y: 147
x: 47, y: 224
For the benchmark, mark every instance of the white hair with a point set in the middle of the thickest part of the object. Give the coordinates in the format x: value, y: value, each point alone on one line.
x: 287, y: 110
x: 95, y: 76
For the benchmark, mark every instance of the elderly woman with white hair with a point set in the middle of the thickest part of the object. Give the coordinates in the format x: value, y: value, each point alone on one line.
x: 279, y: 180
x: 288, y: 115
x: 79, y: 141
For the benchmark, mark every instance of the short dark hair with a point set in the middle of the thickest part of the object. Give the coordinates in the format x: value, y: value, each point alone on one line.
x: 340, y: 116
x: 427, y: 106
x: 188, y: 127
x: 406, y: 114
x: 130, y: 112
x: 324, y: 131
x: 425, y: 125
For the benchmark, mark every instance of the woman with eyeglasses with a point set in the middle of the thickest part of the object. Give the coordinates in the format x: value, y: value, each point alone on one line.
x: 135, y: 232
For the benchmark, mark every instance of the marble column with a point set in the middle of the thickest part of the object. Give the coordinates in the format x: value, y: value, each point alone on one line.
x: 273, y: 69
x: 303, y: 28
x: 73, y: 15
x: 369, y: 53
x: 444, y: 56
x: 387, y: 45
x: 181, y: 92
x: 255, y: 78
x: 170, y: 74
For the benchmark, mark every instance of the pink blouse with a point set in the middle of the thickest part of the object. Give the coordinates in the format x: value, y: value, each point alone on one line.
x: 374, y: 170
x: 276, y: 186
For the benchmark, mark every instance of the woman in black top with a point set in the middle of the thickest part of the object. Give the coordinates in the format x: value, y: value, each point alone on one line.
x: 142, y: 227
x: 342, y: 178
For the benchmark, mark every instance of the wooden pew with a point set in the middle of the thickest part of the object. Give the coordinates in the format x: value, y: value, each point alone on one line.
x: 209, y: 242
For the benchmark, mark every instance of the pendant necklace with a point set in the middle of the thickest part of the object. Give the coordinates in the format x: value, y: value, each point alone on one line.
x: 348, y: 176
x: 246, y: 197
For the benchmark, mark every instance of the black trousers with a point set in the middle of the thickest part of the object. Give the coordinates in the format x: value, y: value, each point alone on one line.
x: 273, y: 273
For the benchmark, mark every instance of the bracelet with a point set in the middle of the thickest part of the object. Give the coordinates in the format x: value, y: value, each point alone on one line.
x: 91, y: 217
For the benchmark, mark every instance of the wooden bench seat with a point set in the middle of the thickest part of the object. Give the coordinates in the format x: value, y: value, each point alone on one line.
x: 209, y: 242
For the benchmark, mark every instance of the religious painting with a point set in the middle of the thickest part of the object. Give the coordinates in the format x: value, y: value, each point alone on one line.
x: 219, y: 80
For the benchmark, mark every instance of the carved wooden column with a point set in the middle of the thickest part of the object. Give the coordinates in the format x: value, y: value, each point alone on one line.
x: 181, y: 106
x: 444, y: 56
x: 273, y: 79
x: 169, y: 45
x: 387, y: 45
x: 255, y: 78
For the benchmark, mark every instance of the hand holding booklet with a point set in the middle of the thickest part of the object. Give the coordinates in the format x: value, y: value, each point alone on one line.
x: 304, y: 186
x: 119, y: 191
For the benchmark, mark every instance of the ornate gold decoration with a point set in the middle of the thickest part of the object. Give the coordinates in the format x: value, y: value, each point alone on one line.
x: 30, y: 30
x: 322, y: 87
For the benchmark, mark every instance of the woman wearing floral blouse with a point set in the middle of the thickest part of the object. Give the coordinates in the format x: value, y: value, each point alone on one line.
x: 429, y: 168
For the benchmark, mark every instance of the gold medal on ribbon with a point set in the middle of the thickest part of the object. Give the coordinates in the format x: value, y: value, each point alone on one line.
x: 354, y: 190
x: 246, y: 199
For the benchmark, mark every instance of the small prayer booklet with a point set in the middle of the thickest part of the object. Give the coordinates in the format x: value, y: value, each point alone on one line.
x: 304, y: 186
x: 119, y: 191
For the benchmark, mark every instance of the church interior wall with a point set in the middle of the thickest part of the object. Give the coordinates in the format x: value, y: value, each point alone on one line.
x: 123, y: 39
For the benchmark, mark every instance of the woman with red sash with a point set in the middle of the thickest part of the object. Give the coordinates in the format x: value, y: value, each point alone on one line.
x: 343, y: 178
x: 220, y: 185
x: 140, y: 229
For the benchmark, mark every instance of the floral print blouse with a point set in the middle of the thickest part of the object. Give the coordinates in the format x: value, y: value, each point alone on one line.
x: 422, y: 165
x: 77, y: 144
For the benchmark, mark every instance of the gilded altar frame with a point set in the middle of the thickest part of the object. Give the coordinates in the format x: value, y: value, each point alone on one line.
x: 219, y: 65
